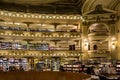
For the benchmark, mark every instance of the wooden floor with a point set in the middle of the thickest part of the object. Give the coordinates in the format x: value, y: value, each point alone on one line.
x: 46, y: 75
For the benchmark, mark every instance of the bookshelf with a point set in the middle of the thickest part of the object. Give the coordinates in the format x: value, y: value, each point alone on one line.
x: 73, y: 67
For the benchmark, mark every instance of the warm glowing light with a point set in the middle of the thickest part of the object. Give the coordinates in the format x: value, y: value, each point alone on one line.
x: 86, y: 43
x: 113, y: 42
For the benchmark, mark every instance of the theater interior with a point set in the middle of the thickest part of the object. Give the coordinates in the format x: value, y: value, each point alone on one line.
x: 60, y: 39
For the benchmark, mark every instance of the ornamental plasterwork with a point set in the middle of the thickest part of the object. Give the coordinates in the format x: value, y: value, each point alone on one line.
x: 100, y: 14
x: 39, y: 16
x: 40, y: 53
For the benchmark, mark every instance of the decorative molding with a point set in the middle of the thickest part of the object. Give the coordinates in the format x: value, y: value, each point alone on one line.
x: 38, y: 16
x: 41, y: 53
x: 99, y: 54
x: 100, y: 10
x: 17, y: 32
x: 40, y: 34
x: 100, y: 14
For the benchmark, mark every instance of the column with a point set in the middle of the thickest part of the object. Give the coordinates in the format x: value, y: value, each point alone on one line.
x: 31, y: 63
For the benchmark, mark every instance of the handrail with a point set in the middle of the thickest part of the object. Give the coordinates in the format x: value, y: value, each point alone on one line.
x: 37, y: 30
x: 53, y: 49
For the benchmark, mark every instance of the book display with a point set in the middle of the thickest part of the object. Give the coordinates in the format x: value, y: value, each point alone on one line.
x: 20, y: 46
x: 13, y: 64
x: 40, y: 66
x: 74, y: 67
x: 118, y: 67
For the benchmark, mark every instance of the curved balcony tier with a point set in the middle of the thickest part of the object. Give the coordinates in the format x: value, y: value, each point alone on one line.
x: 99, y: 53
x: 98, y: 34
x: 38, y: 34
x: 40, y: 53
x: 31, y: 17
x: 98, y: 38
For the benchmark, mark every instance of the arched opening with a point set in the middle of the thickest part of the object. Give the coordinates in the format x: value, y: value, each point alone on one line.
x: 96, y: 32
x: 88, y: 47
x: 95, y: 47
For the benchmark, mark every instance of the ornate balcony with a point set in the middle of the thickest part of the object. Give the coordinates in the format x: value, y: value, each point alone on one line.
x: 99, y: 53
x: 36, y: 53
x: 38, y: 34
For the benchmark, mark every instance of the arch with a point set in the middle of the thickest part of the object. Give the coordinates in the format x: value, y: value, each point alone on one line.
x: 43, y: 16
x: 64, y: 17
x: 71, y: 17
x: 95, y: 47
x: 95, y: 26
x: 14, y: 14
x: 57, y: 17
x: 98, y: 32
x: 6, y: 13
x: 88, y: 47
x: 21, y: 15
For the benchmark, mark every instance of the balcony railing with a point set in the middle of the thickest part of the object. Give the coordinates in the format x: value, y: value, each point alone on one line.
x: 38, y: 30
x: 62, y: 53
x: 38, y: 34
x: 40, y: 48
x: 99, y: 34
x: 103, y: 51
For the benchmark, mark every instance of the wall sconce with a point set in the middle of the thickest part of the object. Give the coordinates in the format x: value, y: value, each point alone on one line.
x: 113, y: 43
x: 86, y: 44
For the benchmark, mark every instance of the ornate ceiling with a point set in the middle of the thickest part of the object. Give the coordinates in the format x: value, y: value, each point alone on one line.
x: 109, y: 4
x: 30, y: 2
x: 43, y: 6
x: 58, y: 6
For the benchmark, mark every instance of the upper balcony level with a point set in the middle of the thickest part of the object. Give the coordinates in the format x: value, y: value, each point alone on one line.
x: 29, y: 25
x: 21, y: 34
x: 45, y: 53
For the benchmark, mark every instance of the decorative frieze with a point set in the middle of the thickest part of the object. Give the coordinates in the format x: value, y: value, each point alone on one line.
x: 39, y: 34
x: 40, y: 53
x: 100, y: 14
x: 39, y: 16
